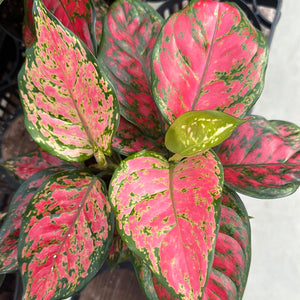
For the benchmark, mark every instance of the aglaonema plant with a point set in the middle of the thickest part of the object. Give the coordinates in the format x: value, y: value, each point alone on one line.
x: 145, y: 139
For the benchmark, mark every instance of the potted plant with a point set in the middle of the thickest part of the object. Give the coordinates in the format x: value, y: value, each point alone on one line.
x: 145, y: 139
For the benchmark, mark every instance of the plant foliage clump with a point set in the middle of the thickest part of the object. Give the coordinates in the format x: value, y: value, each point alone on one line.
x: 145, y: 139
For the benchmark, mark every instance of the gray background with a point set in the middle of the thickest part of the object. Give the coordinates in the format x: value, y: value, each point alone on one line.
x: 275, y: 268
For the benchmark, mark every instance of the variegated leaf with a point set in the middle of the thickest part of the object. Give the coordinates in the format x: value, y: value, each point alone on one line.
x: 129, y: 33
x: 128, y: 140
x: 70, y: 110
x: 168, y: 215
x: 262, y: 158
x: 231, y: 263
x: 27, y: 165
x: 9, y: 232
x: 66, y: 235
x: 208, y: 56
x: 78, y: 16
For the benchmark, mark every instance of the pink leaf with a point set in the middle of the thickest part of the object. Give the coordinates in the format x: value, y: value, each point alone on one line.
x: 10, y: 229
x: 208, y: 56
x: 231, y: 263
x: 167, y: 214
x: 128, y: 140
x: 66, y: 235
x: 262, y: 158
x: 27, y: 165
x: 75, y: 15
x: 70, y: 110
x: 129, y: 34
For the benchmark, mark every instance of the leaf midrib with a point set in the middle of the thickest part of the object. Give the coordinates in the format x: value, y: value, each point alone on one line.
x: 80, y: 208
x: 198, y: 92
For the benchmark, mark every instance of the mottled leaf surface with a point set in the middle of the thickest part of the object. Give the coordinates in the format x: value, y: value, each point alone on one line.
x: 66, y: 235
x: 168, y: 215
x: 78, y: 16
x: 27, y: 165
x: 129, y: 139
x: 208, y: 56
x: 262, y: 158
x: 10, y: 229
x: 70, y: 110
x: 129, y: 33
x: 231, y: 263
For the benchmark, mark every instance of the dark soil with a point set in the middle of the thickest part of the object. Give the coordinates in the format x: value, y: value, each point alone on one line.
x: 17, y: 140
x: 119, y: 284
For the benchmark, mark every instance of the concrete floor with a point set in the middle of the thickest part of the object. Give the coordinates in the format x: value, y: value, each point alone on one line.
x: 275, y: 268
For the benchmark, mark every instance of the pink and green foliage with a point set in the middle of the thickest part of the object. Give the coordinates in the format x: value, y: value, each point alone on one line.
x: 23, y: 167
x: 228, y: 276
x: 78, y: 16
x: 66, y: 235
x: 262, y: 158
x: 71, y: 110
x: 167, y: 219
x: 129, y: 139
x: 187, y: 234
x: 208, y: 56
x: 9, y: 232
x: 129, y: 34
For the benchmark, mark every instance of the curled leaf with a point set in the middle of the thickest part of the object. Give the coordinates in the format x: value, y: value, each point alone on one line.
x: 196, y: 131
